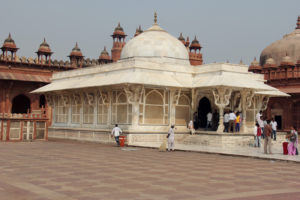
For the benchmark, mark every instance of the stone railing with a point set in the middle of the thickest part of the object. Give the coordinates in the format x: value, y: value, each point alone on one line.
x: 19, y: 127
x: 53, y: 63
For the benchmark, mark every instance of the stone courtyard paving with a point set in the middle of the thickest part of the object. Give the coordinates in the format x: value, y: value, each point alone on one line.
x: 73, y: 170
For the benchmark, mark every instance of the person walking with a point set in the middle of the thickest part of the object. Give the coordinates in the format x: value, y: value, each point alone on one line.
x: 274, y: 128
x: 232, y: 118
x: 171, y: 138
x: 237, y: 122
x: 209, y: 120
x: 116, y: 132
x: 226, y: 121
x: 267, y: 142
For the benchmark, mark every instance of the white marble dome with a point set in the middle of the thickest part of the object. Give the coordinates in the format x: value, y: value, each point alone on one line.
x: 156, y: 45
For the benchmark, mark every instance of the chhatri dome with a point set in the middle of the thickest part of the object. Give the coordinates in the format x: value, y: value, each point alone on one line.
x: 288, y: 45
x: 155, y: 44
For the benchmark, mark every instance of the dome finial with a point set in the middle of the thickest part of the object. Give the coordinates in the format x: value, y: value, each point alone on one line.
x: 241, y: 62
x: 155, y: 17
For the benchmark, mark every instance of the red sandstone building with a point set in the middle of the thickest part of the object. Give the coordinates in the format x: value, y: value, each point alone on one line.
x: 280, y: 64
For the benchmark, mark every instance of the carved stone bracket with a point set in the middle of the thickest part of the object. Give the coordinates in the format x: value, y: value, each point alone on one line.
x: 90, y: 98
x: 265, y: 102
x: 65, y: 99
x: 105, y: 96
x: 222, y: 96
x: 177, y: 94
x: 76, y: 98
x: 247, y: 96
x: 133, y: 93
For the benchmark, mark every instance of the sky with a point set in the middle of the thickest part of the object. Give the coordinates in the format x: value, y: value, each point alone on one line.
x: 226, y: 29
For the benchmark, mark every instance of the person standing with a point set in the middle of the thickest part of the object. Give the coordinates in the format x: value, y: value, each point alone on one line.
x: 171, y: 138
x: 274, y: 128
x: 116, y: 132
x: 237, y: 122
x: 267, y: 142
x: 293, y: 142
x: 258, y: 136
x: 261, y: 125
x: 226, y: 121
x: 258, y: 116
x: 232, y: 118
x: 209, y: 120
x: 191, y: 128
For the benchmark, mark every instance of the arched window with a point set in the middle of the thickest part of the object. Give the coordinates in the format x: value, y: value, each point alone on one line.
x: 42, y: 101
x: 121, y: 109
x: 88, y: 112
x: 61, y: 111
x: 154, y: 107
x: 182, y: 112
x: 20, y: 104
x: 75, y: 110
x: 102, y: 111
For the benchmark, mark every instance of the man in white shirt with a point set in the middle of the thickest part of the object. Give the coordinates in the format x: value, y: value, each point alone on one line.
x: 258, y: 116
x: 232, y: 118
x: 209, y: 119
x: 274, y: 128
x: 226, y: 121
x: 116, y: 133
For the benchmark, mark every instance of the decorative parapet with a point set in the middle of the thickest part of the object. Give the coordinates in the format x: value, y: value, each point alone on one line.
x: 29, y: 116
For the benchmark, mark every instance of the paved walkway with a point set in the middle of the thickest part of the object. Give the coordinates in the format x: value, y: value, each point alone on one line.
x: 71, y: 170
x: 245, y: 151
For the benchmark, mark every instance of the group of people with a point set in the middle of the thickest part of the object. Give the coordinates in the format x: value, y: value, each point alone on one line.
x: 116, y: 132
x: 208, y: 121
x: 232, y: 121
x: 267, y: 129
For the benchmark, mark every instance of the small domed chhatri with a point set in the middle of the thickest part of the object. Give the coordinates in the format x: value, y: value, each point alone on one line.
x: 9, y: 42
x: 104, y: 55
x: 181, y: 38
x: 44, y: 47
x: 255, y: 67
x: 9, y: 46
x: 44, y: 51
x: 119, y: 30
x: 287, y: 61
x: 76, y: 51
x: 138, y: 31
x: 195, y: 43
